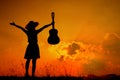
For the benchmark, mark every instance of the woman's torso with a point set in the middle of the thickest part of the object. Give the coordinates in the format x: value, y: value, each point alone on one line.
x: 32, y: 37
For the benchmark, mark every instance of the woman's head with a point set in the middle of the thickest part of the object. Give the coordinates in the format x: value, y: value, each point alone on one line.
x: 31, y: 25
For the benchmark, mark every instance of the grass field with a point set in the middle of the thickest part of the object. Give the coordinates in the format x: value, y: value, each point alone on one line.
x: 89, y: 77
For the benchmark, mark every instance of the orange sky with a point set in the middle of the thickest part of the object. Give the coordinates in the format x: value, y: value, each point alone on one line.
x: 89, y: 32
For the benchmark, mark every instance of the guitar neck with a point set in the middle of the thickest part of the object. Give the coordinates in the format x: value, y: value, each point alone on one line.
x: 53, y: 16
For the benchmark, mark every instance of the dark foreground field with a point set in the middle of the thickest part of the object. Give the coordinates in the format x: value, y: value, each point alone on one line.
x: 89, y: 77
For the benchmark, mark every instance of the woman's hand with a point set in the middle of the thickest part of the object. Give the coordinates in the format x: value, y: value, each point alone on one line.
x: 52, y: 23
x: 13, y: 23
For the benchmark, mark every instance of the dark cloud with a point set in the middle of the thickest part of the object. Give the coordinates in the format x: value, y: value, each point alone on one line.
x: 72, y: 48
x: 61, y: 58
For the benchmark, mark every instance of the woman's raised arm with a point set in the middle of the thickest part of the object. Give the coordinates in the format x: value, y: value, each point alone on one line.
x: 13, y: 23
x: 45, y: 26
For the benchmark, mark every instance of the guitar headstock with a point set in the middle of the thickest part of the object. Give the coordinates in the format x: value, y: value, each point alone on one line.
x: 52, y: 14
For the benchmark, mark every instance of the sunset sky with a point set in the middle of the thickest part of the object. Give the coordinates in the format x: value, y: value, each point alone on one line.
x: 89, y: 32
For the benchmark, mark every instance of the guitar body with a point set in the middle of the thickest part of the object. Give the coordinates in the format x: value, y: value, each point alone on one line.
x: 53, y: 37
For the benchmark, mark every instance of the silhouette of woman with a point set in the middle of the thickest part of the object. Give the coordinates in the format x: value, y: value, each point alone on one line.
x: 32, y: 51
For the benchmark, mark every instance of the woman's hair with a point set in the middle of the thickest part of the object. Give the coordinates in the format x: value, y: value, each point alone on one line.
x: 31, y: 24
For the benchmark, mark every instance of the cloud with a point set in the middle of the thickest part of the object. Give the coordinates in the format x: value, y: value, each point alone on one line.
x: 96, y: 59
x: 72, y: 48
x: 111, y: 44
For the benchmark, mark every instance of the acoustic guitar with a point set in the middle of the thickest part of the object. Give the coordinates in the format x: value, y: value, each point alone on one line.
x: 53, y: 37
